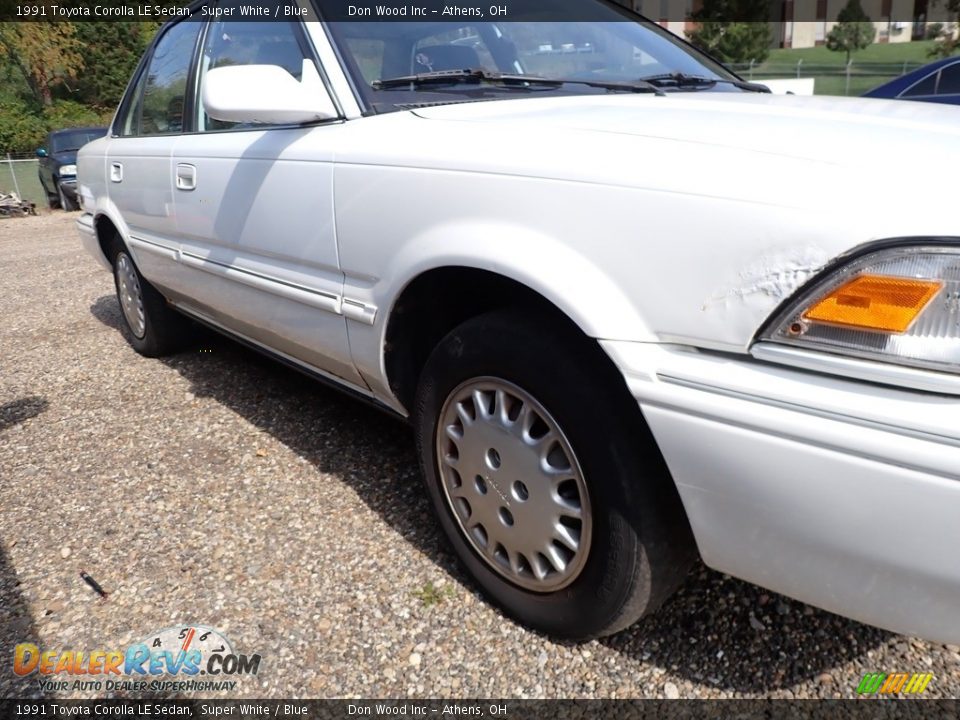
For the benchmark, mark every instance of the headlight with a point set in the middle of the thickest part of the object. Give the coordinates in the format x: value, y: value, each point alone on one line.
x: 68, y: 170
x: 899, y: 305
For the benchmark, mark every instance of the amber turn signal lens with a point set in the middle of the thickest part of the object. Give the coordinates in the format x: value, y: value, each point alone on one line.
x: 875, y: 302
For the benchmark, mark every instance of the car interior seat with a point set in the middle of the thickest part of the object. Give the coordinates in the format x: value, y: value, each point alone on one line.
x: 445, y: 57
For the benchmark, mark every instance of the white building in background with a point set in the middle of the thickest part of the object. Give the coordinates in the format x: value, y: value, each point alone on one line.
x: 804, y: 23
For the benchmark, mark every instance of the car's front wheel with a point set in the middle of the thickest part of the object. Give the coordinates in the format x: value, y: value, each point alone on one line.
x: 545, y: 478
x: 154, y: 328
x: 65, y: 202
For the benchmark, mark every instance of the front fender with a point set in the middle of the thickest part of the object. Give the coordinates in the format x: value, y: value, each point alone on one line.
x: 544, y: 264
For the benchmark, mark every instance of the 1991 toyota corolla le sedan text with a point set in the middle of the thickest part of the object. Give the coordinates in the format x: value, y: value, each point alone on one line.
x: 635, y: 308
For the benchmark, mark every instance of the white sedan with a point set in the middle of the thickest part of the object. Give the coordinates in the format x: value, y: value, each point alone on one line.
x: 635, y: 308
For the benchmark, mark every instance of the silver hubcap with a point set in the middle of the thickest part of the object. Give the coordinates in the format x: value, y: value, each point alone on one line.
x: 514, y: 484
x: 131, y: 299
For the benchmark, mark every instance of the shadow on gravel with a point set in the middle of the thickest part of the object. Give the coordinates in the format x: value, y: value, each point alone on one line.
x: 16, y: 623
x: 15, y: 412
x: 704, y: 633
x: 16, y: 626
x: 732, y: 635
x: 106, y: 309
x: 371, y: 450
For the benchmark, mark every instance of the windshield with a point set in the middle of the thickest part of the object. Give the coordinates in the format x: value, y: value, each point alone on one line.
x: 74, y: 139
x: 611, y: 48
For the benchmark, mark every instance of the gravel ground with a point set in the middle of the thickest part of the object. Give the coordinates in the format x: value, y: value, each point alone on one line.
x: 217, y: 487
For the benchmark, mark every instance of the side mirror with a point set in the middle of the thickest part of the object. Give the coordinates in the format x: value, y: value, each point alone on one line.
x: 41, y: 152
x: 266, y: 94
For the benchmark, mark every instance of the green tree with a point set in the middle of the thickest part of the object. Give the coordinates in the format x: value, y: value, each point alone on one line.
x: 733, y: 31
x: 47, y: 55
x: 947, y: 44
x: 21, y: 130
x: 62, y: 74
x: 853, y: 30
x: 111, y: 51
x: 68, y: 113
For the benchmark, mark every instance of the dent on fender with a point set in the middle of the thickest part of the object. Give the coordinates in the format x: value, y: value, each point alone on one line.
x: 772, y: 277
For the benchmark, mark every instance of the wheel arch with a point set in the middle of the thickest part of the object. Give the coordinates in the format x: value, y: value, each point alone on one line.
x: 111, y: 232
x: 108, y: 236
x: 432, y: 303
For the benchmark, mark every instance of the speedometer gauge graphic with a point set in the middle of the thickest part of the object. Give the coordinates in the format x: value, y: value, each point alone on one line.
x: 185, y: 638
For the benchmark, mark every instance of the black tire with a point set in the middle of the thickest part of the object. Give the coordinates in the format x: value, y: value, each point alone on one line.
x: 164, y: 330
x: 66, y: 203
x: 641, y: 547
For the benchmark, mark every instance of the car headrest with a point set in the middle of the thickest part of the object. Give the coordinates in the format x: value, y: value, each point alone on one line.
x: 446, y: 57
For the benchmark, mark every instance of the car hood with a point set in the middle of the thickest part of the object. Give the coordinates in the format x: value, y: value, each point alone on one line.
x: 812, y: 149
x: 809, y: 127
x: 65, y: 158
x: 803, y: 152
x: 733, y: 200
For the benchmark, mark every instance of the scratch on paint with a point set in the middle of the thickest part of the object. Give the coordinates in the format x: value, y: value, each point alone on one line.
x: 772, y: 276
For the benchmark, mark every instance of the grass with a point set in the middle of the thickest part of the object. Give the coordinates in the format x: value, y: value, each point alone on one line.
x: 430, y: 594
x: 837, y: 85
x: 26, y: 179
x: 910, y: 52
x: 872, y: 66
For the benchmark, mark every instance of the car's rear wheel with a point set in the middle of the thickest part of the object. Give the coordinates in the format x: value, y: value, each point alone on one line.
x: 154, y: 328
x: 545, y: 478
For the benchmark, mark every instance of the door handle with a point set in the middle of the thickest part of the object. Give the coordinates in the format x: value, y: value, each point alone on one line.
x: 186, y: 176
x: 116, y: 172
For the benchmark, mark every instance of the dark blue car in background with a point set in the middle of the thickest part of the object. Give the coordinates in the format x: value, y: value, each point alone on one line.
x: 937, y: 82
x: 58, y: 164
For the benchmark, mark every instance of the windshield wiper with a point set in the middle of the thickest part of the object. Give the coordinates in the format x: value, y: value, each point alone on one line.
x: 477, y: 75
x: 682, y: 80
x: 467, y: 75
x: 631, y: 86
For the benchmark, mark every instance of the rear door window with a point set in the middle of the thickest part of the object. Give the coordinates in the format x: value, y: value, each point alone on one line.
x: 949, y: 80
x: 927, y: 86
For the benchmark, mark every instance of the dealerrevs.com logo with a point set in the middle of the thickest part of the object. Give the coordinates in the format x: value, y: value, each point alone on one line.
x: 169, y: 660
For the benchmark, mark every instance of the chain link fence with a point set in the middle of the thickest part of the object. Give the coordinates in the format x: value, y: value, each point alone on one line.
x: 835, y: 79
x: 18, y: 173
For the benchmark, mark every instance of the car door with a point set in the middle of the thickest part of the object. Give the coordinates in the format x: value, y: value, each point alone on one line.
x: 254, y: 211
x: 138, y: 162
